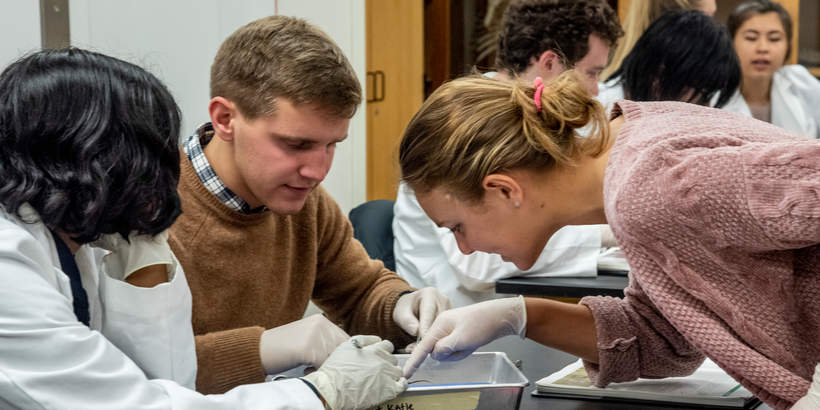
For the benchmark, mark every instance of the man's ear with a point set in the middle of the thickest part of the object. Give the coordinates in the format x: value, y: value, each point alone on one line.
x: 223, y: 112
x: 549, y: 63
x: 504, y: 188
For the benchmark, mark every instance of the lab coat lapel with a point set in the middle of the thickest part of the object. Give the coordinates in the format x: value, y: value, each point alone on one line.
x: 787, y: 111
x: 738, y: 104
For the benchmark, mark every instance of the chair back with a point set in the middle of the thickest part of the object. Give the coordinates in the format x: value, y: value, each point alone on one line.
x: 373, y: 227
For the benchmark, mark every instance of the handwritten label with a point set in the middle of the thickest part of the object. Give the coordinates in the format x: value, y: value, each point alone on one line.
x: 442, y: 401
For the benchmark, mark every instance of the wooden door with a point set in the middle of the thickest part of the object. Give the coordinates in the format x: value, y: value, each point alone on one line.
x: 395, y: 84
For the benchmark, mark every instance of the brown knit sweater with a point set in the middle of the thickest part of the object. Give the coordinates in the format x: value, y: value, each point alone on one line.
x: 251, y: 272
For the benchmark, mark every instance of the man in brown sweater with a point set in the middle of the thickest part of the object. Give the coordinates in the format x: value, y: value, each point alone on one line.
x: 258, y: 237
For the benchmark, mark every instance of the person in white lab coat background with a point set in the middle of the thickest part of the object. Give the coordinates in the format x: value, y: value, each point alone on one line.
x: 682, y: 56
x: 539, y: 38
x: 88, y: 318
x: 786, y: 96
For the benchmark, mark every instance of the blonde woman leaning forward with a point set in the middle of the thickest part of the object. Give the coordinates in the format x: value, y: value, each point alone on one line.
x: 718, y: 215
x: 640, y: 15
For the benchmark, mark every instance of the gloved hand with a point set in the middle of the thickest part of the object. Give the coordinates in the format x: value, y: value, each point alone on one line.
x: 359, y: 377
x: 307, y: 341
x: 458, y: 332
x: 415, y: 312
x: 811, y: 401
x: 139, y: 251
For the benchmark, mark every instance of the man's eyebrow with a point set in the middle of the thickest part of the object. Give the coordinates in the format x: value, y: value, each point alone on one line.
x: 294, y: 138
x: 287, y: 136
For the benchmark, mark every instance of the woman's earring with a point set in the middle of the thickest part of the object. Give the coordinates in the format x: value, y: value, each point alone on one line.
x: 517, y: 204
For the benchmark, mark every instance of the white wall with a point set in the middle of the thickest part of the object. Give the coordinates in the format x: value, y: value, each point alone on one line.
x: 19, y: 28
x: 344, y: 21
x: 177, y: 40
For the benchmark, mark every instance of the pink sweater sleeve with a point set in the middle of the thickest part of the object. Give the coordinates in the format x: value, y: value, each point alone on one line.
x: 783, y: 190
x: 759, y: 197
x: 634, y: 340
x: 754, y: 198
x: 719, y: 216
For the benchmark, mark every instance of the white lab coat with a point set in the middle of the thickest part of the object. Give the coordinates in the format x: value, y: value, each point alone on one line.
x: 609, y: 92
x: 138, y: 352
x: 795, y: 99
x: 427, y: 255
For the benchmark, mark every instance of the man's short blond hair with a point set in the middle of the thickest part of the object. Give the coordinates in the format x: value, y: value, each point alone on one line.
x: 284, y: 57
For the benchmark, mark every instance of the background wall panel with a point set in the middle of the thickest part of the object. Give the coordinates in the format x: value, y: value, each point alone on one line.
x: 19, y: 28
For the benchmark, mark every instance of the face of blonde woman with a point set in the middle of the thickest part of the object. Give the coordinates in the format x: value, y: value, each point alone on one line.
x: 761, y: 45
x: 491, y: 226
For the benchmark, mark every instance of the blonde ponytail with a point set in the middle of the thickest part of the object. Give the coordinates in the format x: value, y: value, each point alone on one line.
x: 474, y: 126
x: 565, y: 108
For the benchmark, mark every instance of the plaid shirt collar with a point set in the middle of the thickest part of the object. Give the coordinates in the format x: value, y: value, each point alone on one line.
x: 193, y: 149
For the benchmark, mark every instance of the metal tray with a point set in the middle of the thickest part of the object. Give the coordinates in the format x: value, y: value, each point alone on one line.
x: 489, y: 375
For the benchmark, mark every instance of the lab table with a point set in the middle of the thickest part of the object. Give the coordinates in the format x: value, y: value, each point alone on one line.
x: 537, y: 361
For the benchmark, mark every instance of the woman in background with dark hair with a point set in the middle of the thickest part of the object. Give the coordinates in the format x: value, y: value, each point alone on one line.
x: 683, y: 56
x: 640, y: 14
x: 786, y: 96
x: 88, y: 158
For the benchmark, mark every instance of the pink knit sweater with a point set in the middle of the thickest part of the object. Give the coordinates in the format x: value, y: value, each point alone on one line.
x: 719, y: 217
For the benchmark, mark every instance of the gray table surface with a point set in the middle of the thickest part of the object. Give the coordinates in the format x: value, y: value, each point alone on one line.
x: 539, y: 361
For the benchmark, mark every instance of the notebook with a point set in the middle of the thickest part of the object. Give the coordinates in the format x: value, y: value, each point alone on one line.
x: 612, y: 261
x: 709, y: 385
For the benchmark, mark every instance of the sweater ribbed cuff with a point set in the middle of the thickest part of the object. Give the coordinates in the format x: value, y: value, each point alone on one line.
x: 396, y: 334
x: 228, y: 359
x: 618, y: 358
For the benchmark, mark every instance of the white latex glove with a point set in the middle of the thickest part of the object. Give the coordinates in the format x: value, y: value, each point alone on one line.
x: 415, y: 312
x: 811, y: 401
x: 458, y: 332
x: 139, y: 251
x: 359, y: 377
x: 307, y: 341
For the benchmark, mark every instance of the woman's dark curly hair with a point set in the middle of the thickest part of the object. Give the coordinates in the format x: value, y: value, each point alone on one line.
x: 90, y: 142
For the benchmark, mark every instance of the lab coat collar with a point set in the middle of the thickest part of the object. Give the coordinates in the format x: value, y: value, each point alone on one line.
x: 787, y: 111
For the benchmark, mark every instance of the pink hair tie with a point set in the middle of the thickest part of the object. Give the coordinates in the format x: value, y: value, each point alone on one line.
x: 538, y: 83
